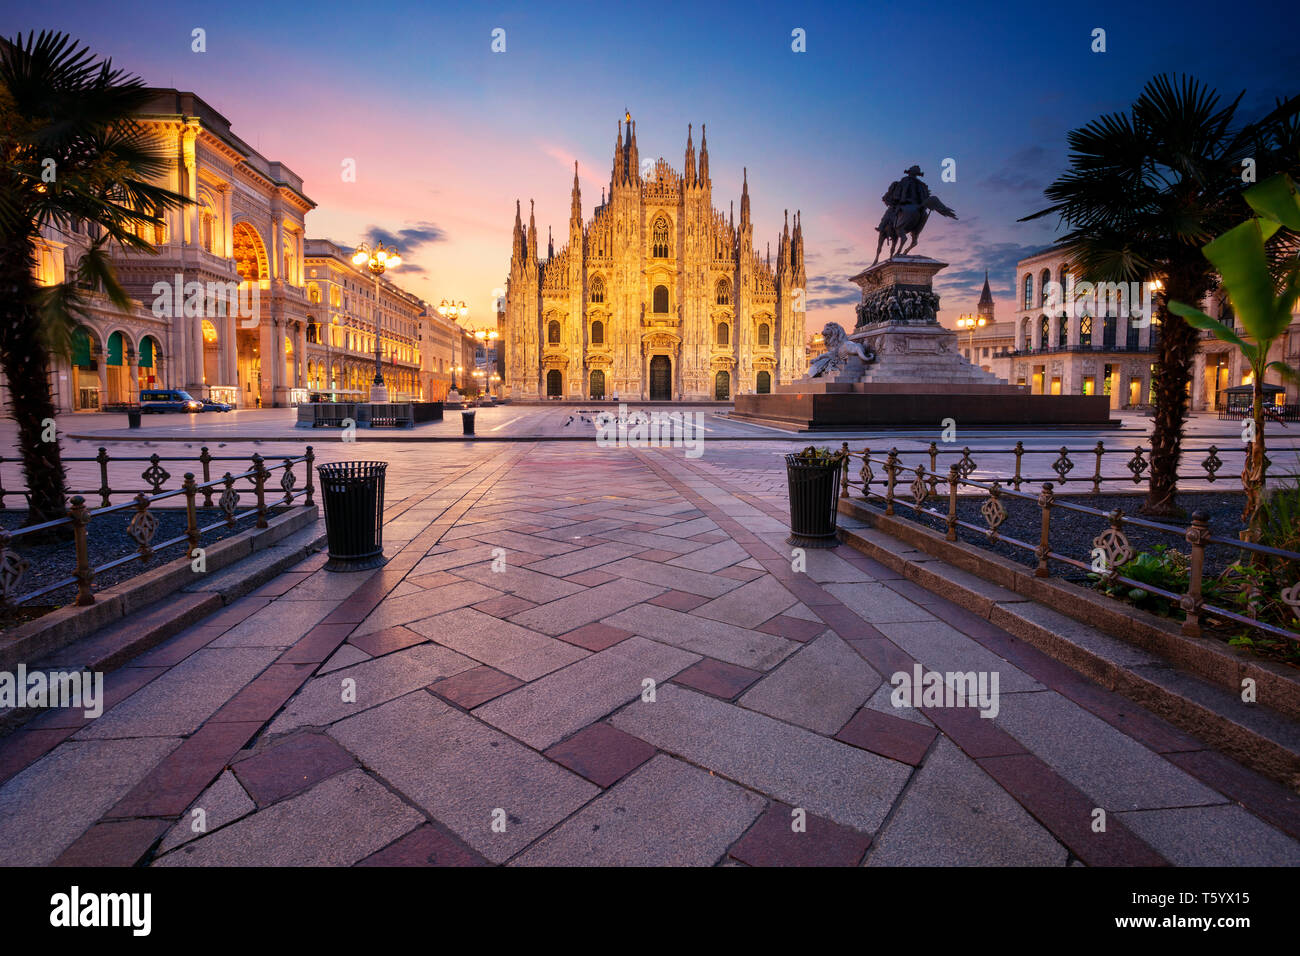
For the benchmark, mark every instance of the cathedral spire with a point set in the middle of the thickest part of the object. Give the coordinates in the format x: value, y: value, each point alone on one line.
x: 689, y: 175
x: 633, y: 158
x: 532, y: 233
x: 744, y: 200
x: 704, y: 156
x: 800, y: 276
x: 517, y: 245
x: 550, y: 245
x: 575, y: 203
x: 620, y: 163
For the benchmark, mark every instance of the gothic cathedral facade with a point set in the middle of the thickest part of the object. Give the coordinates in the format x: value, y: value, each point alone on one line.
x: 658, y: 297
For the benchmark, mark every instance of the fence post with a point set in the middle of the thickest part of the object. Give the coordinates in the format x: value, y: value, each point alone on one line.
x: 104, y: 490
x: 952, y: 502
x: 891, y: 466
x: 81, y: 518
x: 311, y: 475
x: 1191, y: 602
x: 844, y: 470
x: 1045, y: 503
x: 206, y: 459
x: 1096, y: 475
x: 259, y: 481
x: 191, y: 514
x: 1020, y: 453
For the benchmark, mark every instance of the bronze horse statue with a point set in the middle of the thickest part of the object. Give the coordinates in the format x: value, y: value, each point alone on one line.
x: 907, y: 219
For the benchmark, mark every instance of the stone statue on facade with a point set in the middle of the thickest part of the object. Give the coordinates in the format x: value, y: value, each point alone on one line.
x: 840, y: 350
x: 908, y: 204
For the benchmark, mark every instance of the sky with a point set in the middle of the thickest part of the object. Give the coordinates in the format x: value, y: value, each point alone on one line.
x: 446, y: 134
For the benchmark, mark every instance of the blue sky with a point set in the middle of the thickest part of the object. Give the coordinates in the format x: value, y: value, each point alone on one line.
x: 447, y: 134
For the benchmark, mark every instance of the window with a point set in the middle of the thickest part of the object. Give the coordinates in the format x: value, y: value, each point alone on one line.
x: 598, y: 333
x: 724, y: 334
x: 660, y: 248
x: 764, y: 334
x: 661, y: 300
x: 1085, y: 334
x: 724, y: 292
x: 313, y: 292
x: 598, y: 289
x: 1045, y: 278
x: 553, y: 332
x: 1044, y: 332
x: 1029, y: 290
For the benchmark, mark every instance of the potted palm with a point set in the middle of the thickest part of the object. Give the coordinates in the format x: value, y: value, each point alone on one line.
x: 813, y: 476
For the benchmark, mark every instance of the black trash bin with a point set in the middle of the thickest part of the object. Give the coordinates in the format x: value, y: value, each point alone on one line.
x: 133, y: 418
x: 467, y: 422
x: 814, y: 484
x: 353, y: 495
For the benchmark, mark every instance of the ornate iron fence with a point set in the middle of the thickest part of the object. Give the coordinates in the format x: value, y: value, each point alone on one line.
x: 142, y: 523
x: 897, y: 482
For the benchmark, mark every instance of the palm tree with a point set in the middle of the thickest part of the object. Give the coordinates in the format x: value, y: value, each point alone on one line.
x: 73, y: 156
x: 1144, y: 192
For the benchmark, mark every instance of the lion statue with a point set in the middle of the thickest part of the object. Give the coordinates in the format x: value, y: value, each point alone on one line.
x: 839, y: 349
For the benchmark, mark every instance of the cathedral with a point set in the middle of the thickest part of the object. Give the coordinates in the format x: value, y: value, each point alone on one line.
x: 657, y: 297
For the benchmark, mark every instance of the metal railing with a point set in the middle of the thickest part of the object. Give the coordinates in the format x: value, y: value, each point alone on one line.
x: 1110, y: 550
x: 142, y: 525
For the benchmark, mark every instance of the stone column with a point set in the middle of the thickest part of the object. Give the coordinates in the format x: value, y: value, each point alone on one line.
x: 133, y: 375
x: 1200, y: 387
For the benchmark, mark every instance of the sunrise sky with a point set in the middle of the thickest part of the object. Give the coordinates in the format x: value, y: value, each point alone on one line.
x: 447, y: 134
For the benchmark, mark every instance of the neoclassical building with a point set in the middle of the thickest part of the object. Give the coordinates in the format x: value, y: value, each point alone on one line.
x: 659, y: 296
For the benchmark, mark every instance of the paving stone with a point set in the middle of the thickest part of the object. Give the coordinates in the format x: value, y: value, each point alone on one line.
x: 173, y: 651
x: 336, y: 823
x: 325, y: 585
x: 726, y: 642
x: 503, y: 606
x: 826, y: 566
x: 1114, y: 770
x: 288, y: 766
x: 818, y: 687
x: 475, y: 553
x: 181, y: 776
x: 657, y: 542
x: 1263, y: 797
x: 345, y: 656
x: 382, y: 679
x: 717, y: 678
x: 877, y: 604
x: 115, y: 843
x: 526, y: 542
x: 750, y: 604
x: 802, y: 612
x: 475, y: 686
x: 601, y: 753
x: 425, y: 846
x: 460, y: 771
x: 954, y: 814
x: 687, y: 529
x: 773, y: 841
x: 793, y: 628
x: 278, y: 624
x: 223, y: 802
x: 665, y: 814
x: 180, y: 700
x: 801, y: 768
x: 46, y: 807
x: 379, y: 643
x: 595, y: 637
x: 678, y: 600
x: 590, y: 579
x: 713, y: 558
x: 584, y: 559
x: 559, y: 617
x: 417, y: 607
x: 508, y: 647
x: 738, y: 573
x: 881, y: 701
x: 1223, y: 835
x: 887, y: 735
x: 526, y: 583
x: 549, y: 709
x: 946, y: 650
x: 680, y: 579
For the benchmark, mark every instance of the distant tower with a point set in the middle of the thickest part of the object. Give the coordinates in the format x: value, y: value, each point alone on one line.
x: 985, y: 308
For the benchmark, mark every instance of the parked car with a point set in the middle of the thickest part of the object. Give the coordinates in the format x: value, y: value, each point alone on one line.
x: 210, y: 406
x: 157, y: 401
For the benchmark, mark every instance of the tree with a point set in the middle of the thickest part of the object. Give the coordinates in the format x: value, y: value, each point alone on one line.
x: 73, y: 156
x: 1144, y: 192
x: 1242, y: 260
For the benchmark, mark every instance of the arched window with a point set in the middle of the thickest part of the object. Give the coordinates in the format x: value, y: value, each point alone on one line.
x: 661, y: 299
x: 1044, y: 332
x: 552, y: 332
x: 660, y: 238
x: 724, y: 334
x: 1045, y: 278
x: 722, y: 387
x: 764, y: 383
x: 764, y: 334
x: 1029, y: 290
x: 313, y: 292
x: 598, y: 333
x: 724, y: 292
x: 598, y: 289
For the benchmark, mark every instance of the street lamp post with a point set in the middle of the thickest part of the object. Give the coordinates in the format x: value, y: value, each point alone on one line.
x: 377, y: 260
x: 972, y: 322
